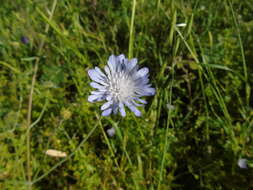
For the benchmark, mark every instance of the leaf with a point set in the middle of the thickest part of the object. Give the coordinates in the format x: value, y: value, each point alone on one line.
x: 216, y: 66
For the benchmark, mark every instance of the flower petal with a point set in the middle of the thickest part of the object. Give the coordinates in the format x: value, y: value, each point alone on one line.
x: 140, y: 100
x: 115, y: 107
x: 133, y: 109
x: 150, y: 91
x: 98, y: 86
x: 122, y: 110
x: 100, y: 72
x: 108, y: 72
x: 141, y: 81
x: 94, y: 75
x: 121, y: 61
x: 121, y: 58
x: 98, y: 92
x: 142, y: 72
x: 112, y: 63
x: 107, y: 112
x: 95, y: 98
x: 131, y: 64
x: 136, y: 104
x: 106, y: 105
x: 109, y: 98
x: 146, y: 91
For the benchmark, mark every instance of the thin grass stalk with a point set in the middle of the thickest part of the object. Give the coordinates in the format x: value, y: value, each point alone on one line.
x: 30, y: 102
x: 247, y: 86
x: 131, y: 35
x: 166, y: 146
x: 110, y: 146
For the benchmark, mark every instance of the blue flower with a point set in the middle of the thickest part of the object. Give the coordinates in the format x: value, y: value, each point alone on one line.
x: 122, y: 84
x: 111, y: 132
x: 24, y: 40
x: 242, y: 163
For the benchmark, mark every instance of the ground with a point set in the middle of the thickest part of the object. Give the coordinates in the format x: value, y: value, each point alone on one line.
x: 191, y: 134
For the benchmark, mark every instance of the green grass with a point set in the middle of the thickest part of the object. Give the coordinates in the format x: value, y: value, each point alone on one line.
x: 192, y: 132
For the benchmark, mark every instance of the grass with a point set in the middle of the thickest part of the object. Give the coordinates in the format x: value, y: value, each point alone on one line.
x: 192, y: 132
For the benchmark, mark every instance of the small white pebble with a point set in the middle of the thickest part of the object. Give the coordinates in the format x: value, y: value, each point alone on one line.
x: 242, y: 163
x: 181, y: 25
x: 55, y: 153
x: 111, y: 132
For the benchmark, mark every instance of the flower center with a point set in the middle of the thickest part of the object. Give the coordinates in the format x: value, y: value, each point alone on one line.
x: 121, y: 87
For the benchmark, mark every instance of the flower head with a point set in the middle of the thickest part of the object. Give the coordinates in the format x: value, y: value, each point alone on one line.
x: 111, y: 131
x: 24, y: 40
x: 122, y: 84
x: 242, y: 163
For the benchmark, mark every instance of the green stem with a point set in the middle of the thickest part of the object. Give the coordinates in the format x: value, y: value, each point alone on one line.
x: 30, y: 102
x: 131, y: 36
x: 247, y: 87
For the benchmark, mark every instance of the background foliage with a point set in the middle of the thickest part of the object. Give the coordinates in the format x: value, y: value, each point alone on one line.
x: 192, y: 132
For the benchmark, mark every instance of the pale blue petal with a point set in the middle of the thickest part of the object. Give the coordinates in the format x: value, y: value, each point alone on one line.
x: 109, y: 97
x: 107, y: 71
x: 112, y: 63
x: 94, y: 75
x: 142, y: 72
x: 131, y: 64
x: 133, y: 109
x: 122, y: 67
x: 107, y: 112
x: 136, y: 104
x: 122, y: 110
x: 133, y: 72
x: 94, y: 98
x: 150, y: 91
x: 98, y: 86
x: 136, y: 111
x: 101, y: 93
x: 100, y: 72
x: 140, y: 100
x: 146, y: 91
x: 91, y: 98
x: 141, y: 81
x: 115, y: 108
x: 106, y: 105
x: 121, y: 58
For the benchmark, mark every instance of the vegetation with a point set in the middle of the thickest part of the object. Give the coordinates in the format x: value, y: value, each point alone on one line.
x: 192, y: 132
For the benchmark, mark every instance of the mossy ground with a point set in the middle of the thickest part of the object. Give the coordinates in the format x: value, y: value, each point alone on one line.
x: 192, y: 132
